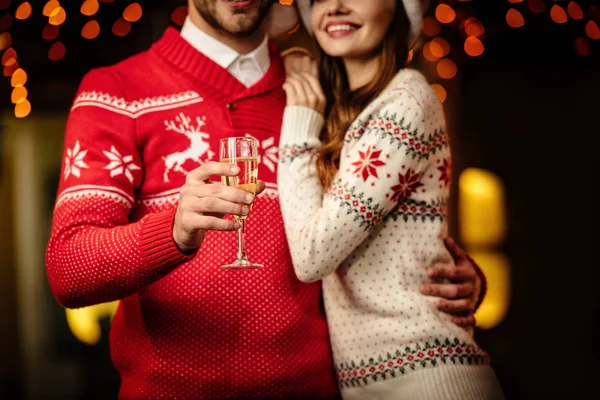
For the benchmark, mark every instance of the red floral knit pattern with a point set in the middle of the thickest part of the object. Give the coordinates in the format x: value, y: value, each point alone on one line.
x: 185, y: 329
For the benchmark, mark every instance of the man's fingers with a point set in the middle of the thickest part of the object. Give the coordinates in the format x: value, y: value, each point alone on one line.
x: 465, y: 322
x: 448, y: 290
x: 195, y: 222
x: 451, y: 272
x: 214, y: 205
x: 215, y: 191
x: 212, y: 168
x: 458, y: 308
x: 454, y: 249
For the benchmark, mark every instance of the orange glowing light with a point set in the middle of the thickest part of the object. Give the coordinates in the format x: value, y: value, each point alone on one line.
x: 443, y: 43
x: 582, y: 47
x: 91, y: 30
x: 431, y: 27
x: 50, y: 32
x: 286, y: 2
x: 58, y: 18
x: 178, y: 15
x: 473, y: 46
x: 558, y: 14
x: 429, y: 56
x: 57, y: 51
x: 446, y: 68
x: 536, y: 6
x: 441, y: 92
x: 18, y: 95
x: 515, y: 1
x: 5, y: 22
x: 19, y: 78
x: 23, y: 109
x: 5, y: 41
x: 133, y: 12
x: 592, y: 30
x: 23, y: 11
x: 51, y: 8
x: 121, y: 27
x: 575, y: 10
x: 90, y: 7
x: 473, y: 27
x: 9, y: 57
x: 514, y: 18
x: 444, y: 13
x: 9, y: 70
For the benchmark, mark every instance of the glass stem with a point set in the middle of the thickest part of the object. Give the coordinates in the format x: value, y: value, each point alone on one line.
x: 241, y: 256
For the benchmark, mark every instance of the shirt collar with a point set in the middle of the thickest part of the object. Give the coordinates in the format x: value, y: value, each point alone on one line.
x: 219, y: 52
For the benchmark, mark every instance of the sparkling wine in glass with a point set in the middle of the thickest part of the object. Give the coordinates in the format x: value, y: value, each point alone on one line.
x: 243, y: 152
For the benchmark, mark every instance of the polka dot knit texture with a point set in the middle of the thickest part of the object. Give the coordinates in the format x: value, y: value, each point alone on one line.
x: 371, y: 237
x: 184, y: 329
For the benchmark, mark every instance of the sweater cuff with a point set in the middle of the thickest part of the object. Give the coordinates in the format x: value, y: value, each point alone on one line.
x: 301, y: 125
x: 156, y: 242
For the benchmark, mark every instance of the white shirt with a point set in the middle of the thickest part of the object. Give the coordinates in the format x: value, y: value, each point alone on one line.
x: 246, y: 68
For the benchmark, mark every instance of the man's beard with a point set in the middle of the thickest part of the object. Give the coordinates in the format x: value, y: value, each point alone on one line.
x: 243, y: 28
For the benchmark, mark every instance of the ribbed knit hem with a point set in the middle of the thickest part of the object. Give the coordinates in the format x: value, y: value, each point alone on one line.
x: 301, y: 125
x: 452, y: 382
x: 157, y: 244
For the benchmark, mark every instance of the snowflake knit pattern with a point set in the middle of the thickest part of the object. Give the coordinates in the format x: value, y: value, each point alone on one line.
x: 371, y: 236
x: 185, y: 329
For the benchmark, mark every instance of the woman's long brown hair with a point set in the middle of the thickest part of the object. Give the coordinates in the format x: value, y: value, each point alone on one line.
x: 345, y: 105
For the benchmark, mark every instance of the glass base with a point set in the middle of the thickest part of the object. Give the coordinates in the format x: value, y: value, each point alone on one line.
x: 242, y: 264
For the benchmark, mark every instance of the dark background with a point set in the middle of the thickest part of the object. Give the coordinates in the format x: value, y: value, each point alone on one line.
x: 527, y: 109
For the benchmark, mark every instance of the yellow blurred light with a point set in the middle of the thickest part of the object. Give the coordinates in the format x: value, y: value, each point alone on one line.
x: 446, y: 68
x: 90, y: 7
x: 440, y: 90
x: 473, y: 46
x: 5, y: 41
x: 592, y: 30
x: 495, y: 305
x: 431, y: 27
x: 19, y: 78
x: 18, y: 95
x: 84, y: 323
x: 23, y: 11
x: 58, y: 18
x: 178, y: 15
x: 575, y: 10
x: 444, y: 13
x: 132, y: 13
x: 50, y: 32
x: 51, y: 8
x: 481, y: 208
x: 9, y: 57
x: 558, y: 14
x: 57, y: 51
x: 22, y: 109
x: 514, y: 18
x: 121, y: 27
x: 91, y: 30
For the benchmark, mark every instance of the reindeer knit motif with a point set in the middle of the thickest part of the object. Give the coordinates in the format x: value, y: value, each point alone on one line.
x: 184, y: 329
x: 371, y: 236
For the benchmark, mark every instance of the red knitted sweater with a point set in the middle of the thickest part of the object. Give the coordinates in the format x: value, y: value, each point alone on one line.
x: 185, y: 329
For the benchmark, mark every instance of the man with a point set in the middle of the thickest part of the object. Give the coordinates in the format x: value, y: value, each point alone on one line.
x: 138, y: 218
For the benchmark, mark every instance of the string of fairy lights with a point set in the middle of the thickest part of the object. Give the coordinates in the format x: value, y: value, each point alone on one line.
x: 457, y: 16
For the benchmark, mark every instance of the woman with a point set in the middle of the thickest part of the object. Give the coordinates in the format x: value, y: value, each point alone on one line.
x: 364, y: 180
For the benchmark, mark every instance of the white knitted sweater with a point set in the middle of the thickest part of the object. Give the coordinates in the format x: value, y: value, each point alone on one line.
x: 371, y: 236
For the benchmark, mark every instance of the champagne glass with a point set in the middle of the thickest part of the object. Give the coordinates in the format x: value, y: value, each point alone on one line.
x: 243, y: 152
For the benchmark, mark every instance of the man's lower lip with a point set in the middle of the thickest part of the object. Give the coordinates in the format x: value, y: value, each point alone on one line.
x: 239, y: 4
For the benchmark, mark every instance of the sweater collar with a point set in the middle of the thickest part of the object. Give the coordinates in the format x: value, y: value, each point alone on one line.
x: 180, y: 53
